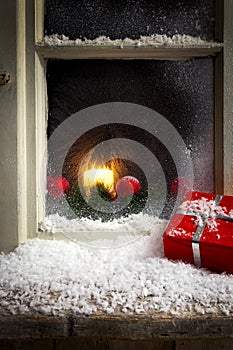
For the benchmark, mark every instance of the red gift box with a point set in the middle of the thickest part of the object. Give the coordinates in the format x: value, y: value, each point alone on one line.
x: 201, y: 232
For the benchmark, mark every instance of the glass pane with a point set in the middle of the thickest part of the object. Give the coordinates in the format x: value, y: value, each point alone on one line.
x: 129, y: 18
x: 180, y: 91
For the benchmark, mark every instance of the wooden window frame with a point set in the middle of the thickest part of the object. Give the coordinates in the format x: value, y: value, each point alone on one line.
x: 21, y: 212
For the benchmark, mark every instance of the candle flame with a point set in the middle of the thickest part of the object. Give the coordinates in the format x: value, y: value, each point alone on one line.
x: 96, y: 176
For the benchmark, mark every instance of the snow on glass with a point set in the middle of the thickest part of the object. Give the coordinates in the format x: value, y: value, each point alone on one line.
x: 182, y: 91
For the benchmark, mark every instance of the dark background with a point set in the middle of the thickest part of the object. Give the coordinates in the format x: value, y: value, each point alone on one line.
x: 182, y: 91
x: 129, y: 18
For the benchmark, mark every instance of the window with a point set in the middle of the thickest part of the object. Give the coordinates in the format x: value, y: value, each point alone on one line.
x: 28, y: 112
x: 180, y: 90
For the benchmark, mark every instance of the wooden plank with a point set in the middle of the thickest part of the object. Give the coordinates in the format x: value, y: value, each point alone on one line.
x: 8, y: 129
x: 162, y: 53
x: 153, y: 327
x: 219, y: 100
x: 26, y: 344
x: 226, y: 344
x: 79, y: 343
x: 26, y: 326
x: 218, y: 127
x: 39, y: 19
x: 135, y: 345
x: 228, y: 100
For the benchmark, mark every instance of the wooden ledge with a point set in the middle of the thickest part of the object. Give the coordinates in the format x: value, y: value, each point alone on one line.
x: 105, y: 52
x: 124, y: 327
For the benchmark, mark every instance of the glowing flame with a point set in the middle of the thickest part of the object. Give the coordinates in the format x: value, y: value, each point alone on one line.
x: 95, y: 176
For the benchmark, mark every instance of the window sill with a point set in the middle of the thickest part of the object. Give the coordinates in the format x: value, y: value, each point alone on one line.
x: 148, y: 327
x: 116, y: 52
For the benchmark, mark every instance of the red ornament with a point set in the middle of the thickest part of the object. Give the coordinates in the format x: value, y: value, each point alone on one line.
x: 57, y: 186
x: 185, y: 184
x: 128, y: 185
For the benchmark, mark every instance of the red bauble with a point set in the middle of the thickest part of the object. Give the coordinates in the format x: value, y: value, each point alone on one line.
x: 57, y: 186
x: 184, y: 183
x: 128, y: 185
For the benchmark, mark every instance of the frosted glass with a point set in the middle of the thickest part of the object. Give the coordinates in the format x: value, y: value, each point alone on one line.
x: 181, y: 91
x: 129, y: 18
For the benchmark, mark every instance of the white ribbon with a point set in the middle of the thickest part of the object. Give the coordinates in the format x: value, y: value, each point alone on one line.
x: 199, y: 231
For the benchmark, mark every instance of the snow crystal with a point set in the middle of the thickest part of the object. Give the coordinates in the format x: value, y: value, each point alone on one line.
x: 203, y: 209
x: 55, y: 277
x: 145, y: 41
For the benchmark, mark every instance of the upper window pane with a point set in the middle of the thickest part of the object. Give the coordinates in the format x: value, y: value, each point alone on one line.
x: 129, y: 18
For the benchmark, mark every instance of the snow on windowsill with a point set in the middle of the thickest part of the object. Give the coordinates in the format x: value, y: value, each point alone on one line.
x: 133, y: 224
x: 156, y: 40
x: 55, y: 277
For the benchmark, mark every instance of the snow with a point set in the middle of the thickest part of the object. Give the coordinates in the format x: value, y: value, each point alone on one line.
x: 145, y: 41
x: 89, y: 232
x: 55, y: 277
x: 132, y: 224
x: 203, y: 209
